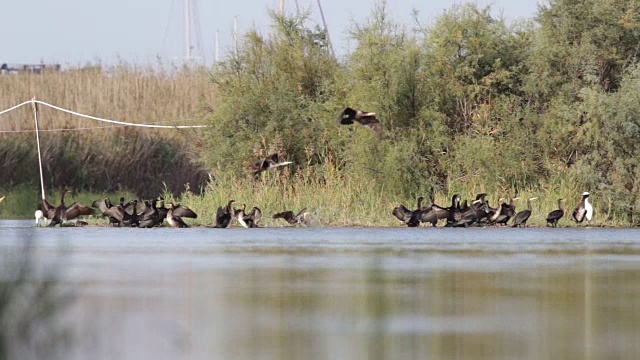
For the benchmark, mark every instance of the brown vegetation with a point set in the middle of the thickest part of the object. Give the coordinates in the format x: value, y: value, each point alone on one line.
x: 92, y: 155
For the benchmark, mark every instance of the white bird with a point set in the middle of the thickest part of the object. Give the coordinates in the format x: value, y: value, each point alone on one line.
x: 40, y: 219
x: 584, y: 209
x: 588, y: 207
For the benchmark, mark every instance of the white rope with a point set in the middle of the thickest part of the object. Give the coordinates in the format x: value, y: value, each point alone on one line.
x: 78, y: 128
x: 119, y: 122
x: 15, y: 107
x: 104, y: 120
x: 63, y: 129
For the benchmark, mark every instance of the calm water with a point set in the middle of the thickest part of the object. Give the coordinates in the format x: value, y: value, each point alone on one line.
x: 344, y: 293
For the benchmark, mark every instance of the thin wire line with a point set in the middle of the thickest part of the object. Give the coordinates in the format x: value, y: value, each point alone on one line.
x: 104, y: 120
x: 119, y: 122
x: 77, y: 129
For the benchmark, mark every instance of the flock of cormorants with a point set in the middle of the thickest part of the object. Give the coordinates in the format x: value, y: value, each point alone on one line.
x: 147, y: 213
x: 251, y: 219
x: 150, y: 213
x: 479, y: 213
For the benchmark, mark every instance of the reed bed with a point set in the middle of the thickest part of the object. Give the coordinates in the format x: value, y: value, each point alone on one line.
x: 94, y: 156
x: 335, y: 201
x: 126, y: 93
x: 339, y: 200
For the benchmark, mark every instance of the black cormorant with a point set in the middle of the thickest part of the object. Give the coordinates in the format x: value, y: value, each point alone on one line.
x: 115, y: 213
x: 294, y: 219
x: 521, y: 218
x: 175, y: 220
x: 224, y: 215
x: 62, y: 213
x: 269, y: 163
x: 248, y: 219
x: 555, y: 215
x: 367, y: 119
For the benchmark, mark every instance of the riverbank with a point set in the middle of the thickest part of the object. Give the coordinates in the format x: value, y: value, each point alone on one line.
x: 338, y: 202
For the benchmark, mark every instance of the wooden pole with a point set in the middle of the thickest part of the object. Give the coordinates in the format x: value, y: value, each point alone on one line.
x: 35, y: 116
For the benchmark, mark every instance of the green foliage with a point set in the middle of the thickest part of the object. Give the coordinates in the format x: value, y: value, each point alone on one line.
x: 613, y: 129
x: 22, y: 201
x: 583, y: 44
x: 272, y: 94
x: 472, y: 58
x: 470, y: 104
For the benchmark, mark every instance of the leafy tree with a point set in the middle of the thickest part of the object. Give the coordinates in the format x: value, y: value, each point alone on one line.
x: 270, y: 93
x: 472, y: 58
x: 581, y: 44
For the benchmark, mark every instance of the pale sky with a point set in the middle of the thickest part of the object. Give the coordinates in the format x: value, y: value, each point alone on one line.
x: 76, y: 32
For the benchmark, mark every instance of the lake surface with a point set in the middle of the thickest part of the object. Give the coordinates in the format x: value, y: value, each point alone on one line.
x: 343, y: 293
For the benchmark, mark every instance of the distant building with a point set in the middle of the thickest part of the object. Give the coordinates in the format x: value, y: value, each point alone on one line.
x: 10, y: 69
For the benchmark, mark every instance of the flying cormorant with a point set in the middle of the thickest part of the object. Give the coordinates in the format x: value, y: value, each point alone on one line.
x: 367, y: 119
x: 269, y: 163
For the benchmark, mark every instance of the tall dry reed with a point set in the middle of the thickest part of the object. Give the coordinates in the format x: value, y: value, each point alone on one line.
x: 96, y: 156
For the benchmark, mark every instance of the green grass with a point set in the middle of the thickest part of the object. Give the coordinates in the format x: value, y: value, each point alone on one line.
x: 341, y: 201
x: 21, y: 202
x: 337, y: 201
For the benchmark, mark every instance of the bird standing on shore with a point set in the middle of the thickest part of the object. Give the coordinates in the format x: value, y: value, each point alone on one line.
x: 40, y: 219
x: 409, y: 217
x: 555, y: 215
x: 62, y: 213
x: 521, y: 218
x: 584, y: 209
x: 248, y: 219
x: 175, y: 220
x: 225, y: 215
x: 294, y: 219
x: 115, y: 213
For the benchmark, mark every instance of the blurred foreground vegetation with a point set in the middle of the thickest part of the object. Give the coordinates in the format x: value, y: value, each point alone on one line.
x: 470, y: 103
x: 32, y: 303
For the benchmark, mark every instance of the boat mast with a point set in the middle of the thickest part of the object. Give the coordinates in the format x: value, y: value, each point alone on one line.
x: 187, y: 30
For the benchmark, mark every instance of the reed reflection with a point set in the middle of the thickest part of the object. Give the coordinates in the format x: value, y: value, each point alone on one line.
x: 31, y: 304
x: 377, y: 313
